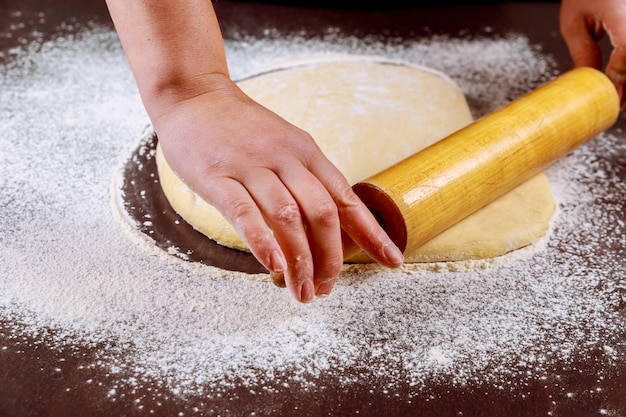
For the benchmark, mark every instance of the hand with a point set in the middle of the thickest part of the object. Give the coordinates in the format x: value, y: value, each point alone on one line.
x: 584, y: 23
x: 270, y: 180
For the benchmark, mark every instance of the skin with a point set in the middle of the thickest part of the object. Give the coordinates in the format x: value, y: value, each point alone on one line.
x: 584, y: 23
x: 268, y: 178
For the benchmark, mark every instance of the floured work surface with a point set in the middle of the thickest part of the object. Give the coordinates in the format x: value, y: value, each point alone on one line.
x: 93, y: 322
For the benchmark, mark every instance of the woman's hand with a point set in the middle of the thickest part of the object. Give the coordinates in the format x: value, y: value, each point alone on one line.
x: 271, y: 181
x: 584, y: 23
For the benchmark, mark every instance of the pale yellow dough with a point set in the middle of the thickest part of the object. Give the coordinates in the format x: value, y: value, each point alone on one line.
x: 367, y: 114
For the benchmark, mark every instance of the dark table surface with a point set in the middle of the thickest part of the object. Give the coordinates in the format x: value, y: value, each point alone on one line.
x: 30, y: 387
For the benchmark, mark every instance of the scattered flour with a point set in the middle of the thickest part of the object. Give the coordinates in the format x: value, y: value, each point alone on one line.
x: 70, y: 274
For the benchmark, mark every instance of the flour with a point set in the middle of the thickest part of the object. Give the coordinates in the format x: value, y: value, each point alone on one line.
x: 71, y: 275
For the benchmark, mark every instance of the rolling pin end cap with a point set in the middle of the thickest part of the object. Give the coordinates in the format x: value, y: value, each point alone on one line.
x: 385, y: 210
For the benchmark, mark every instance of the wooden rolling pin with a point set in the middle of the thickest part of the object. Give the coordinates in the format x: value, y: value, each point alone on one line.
x: 423, y: 195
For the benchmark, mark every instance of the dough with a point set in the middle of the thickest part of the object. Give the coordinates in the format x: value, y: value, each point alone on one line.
x: 367, y: 114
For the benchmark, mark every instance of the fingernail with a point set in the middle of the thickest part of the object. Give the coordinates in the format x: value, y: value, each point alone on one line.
x: 278, y: 263
x: 393, y: 254
x: 307, y: 293
x: 323, y: 290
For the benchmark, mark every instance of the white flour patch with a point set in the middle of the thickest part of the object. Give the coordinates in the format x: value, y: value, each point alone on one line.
x: 70, y: 112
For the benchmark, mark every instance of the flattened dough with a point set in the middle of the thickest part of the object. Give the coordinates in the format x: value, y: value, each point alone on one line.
x: 366, y: 114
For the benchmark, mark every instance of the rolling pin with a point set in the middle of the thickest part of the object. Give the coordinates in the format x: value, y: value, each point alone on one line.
x: 428, y: 192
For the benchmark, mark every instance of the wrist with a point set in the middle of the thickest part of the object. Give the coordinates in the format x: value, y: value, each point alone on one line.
x: 162, y: 93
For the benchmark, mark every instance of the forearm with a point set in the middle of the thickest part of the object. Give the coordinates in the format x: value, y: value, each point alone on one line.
x: 174, y: 48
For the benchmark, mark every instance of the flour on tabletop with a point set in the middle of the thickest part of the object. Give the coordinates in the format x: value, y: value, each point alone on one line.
x: 71, y: 274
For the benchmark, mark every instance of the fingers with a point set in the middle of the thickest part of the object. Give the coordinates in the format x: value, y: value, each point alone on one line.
x: 358, y: 223
x: 319, y: 214
x: 584, y: 23
x: 584, y: 50
x: 270, y: 224
x: 237, y: 206
x: 363, y: 228
x: 580, y: 37
x: 305, y: 237
x: 304, y: 220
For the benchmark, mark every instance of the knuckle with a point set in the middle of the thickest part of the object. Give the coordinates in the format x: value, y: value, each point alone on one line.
x: 326, y: 214
x: 258, y: 238
x: 288, y: 213
x: 349, y: 201
x: 241, y: 209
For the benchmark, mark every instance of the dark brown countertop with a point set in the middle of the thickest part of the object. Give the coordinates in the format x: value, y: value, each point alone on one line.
x: 30, y: 385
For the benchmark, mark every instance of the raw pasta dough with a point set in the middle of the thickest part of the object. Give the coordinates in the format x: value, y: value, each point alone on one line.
x: 367, y: 114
